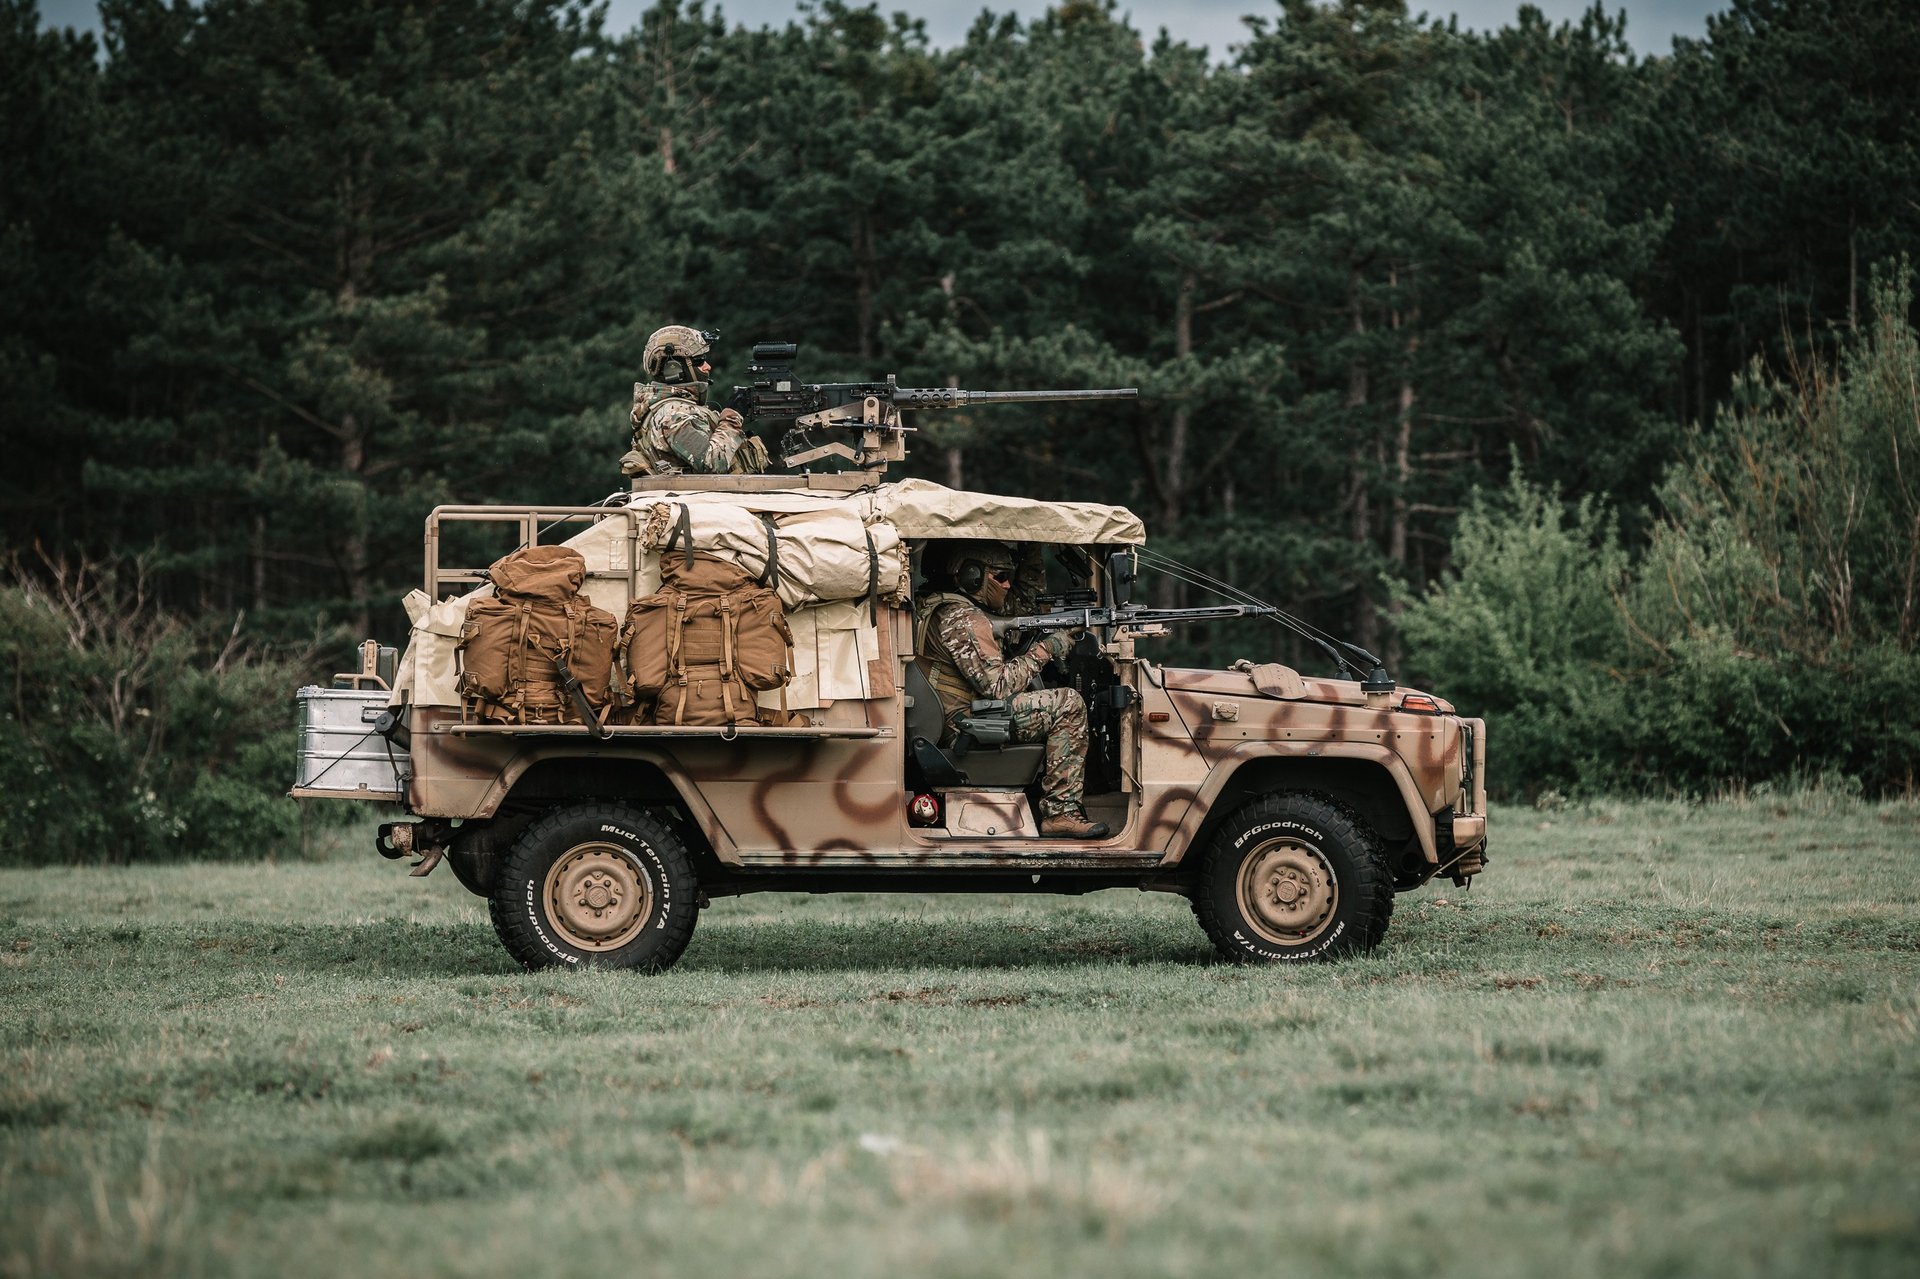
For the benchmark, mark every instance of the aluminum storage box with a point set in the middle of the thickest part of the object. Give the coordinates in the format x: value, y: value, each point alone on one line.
x: 341, y: 754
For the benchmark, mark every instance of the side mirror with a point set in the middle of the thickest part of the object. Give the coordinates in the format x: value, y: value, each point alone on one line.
x: 1123, y: 570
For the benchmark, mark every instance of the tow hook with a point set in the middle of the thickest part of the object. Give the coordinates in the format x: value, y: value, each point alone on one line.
x: 395, y: 840
x: 404, y: 839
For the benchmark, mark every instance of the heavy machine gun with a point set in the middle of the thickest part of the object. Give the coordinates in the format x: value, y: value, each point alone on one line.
x: 857, y: 425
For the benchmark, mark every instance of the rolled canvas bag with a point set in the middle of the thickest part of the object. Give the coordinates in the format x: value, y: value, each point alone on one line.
x: 805, y: 556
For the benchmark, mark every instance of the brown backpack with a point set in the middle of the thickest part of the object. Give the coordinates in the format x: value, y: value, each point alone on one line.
x: 513, y: 642
x: 540, y: 573
x: 705, y: 643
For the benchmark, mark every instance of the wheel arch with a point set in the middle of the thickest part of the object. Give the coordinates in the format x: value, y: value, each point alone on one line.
x: 552, y: 778
x: 1373, y: 782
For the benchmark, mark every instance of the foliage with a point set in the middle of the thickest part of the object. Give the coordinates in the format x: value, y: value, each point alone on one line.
x: 1528, y: 634
x: 127, y: 735
x: 278, y: 276
x: 1768, y: 629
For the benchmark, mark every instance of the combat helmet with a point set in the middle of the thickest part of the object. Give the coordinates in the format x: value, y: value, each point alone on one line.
x: 969, y: 563
x: 676, y: 343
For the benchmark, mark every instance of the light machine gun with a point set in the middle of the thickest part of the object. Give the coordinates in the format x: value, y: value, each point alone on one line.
x: 1101, y: 617
x: 856, y: 425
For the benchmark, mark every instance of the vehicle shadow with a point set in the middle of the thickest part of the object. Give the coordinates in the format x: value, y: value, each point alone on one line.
x: 398, y: 948
x: 892, y: 944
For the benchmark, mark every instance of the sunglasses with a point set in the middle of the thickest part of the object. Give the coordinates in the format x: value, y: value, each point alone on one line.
x: 1002, y: 576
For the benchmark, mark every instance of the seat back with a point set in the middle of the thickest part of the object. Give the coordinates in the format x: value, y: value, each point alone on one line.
x: 925, y: 718
x: 991, y: 767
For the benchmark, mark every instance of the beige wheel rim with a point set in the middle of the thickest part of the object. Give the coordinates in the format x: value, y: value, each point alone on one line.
x: 597, y: 898
x: 1287, y: 891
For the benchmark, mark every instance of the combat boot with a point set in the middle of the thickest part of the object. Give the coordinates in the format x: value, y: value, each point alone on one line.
x: 1073, y: 825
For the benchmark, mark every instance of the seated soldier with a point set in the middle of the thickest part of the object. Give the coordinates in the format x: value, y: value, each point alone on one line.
x: 956, y: 648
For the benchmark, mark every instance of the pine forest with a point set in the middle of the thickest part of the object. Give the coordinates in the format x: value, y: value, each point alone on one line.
x: 1582, y: 386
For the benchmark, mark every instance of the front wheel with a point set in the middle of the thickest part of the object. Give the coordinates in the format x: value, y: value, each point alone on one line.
x: 1291, y: 878
x: 600, y: 885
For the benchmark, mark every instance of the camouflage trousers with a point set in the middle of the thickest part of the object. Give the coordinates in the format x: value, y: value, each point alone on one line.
x: 1058, y: 717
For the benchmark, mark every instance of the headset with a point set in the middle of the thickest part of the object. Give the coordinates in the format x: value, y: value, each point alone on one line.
x: 970, y: 576
x: 969, y: 573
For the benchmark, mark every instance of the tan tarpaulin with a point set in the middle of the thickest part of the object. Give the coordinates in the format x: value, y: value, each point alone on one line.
x: 837, y: 649
x: 833, y: 553
x: 428, y: 670
x: 921, y: 508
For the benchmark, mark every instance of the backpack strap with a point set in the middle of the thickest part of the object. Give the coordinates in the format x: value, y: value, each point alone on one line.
x: 676, y: 667
x: 873, y: 581
x: 770, y: 576
x: 726, y: 653
x: 517, y: 662
x: 682, y: 533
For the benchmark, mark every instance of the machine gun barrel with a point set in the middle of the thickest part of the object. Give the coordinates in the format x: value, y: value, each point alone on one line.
x: 860, y: 422
x: 941, y: 397
x: 1101, y: 618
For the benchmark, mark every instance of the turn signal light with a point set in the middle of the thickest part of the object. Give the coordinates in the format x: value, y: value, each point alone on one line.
x: 1420, y: 702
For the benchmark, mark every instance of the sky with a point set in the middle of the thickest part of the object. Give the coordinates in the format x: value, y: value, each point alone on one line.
x: 1651, y: 24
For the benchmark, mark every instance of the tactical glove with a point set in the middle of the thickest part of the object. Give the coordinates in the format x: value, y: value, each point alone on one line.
x: 752, y: 457
x: 730, y: 418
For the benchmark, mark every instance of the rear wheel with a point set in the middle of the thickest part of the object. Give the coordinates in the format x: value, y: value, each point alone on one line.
x: 1291, y: 878
x: 599, y: 884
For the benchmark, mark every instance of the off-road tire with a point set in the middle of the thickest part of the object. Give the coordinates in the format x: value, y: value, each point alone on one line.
x: 1293, y: 878
x: 597, y: 884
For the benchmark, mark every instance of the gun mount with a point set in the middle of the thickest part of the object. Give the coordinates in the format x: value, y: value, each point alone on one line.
x: 857, y: 425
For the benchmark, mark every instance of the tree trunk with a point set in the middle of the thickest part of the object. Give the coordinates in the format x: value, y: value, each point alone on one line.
x: 1853, y: 274
x: 1173, y: 487
x: 354, y: 553
x: 356, y: 256
x: 1402, y: 471
x: 1360, y: 506
x: 259, y: 565
x: 862, y: 244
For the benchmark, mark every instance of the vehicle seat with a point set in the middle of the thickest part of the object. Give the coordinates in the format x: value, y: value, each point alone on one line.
x: 1009, y: 767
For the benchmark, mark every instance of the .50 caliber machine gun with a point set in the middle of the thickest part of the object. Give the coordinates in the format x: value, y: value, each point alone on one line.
x: 856, y: 425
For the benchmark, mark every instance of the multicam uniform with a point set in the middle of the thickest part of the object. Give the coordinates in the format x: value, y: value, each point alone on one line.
x: 962, y: 661
x: 673, y: 432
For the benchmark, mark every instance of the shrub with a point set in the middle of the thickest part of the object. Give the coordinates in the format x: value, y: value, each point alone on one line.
x: 1769, y: 630
x: 128, y: 736
x: 1527, y: 631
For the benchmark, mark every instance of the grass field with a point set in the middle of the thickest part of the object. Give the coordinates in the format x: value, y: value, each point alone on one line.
x: 1655, y: 1040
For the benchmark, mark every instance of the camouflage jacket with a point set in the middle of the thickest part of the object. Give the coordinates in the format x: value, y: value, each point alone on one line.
x: 953, y: 638
x: 673, y: 432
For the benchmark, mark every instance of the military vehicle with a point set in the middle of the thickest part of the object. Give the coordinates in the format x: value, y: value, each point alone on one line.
x: 1289, y: 809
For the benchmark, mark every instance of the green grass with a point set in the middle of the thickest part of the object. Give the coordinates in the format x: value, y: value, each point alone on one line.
x: 1656, y: 1040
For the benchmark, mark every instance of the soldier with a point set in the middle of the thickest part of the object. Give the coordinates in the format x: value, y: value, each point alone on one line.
x: 673, y: 429
x: 962, y: 660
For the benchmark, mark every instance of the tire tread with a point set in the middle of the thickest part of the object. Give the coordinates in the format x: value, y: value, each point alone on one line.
x: 507, y: 911
x: 1374, y: 879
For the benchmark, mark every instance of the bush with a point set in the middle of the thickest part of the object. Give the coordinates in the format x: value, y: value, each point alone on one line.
x: 1527, y: 632
x: 1769, y: 630
x: 127, y: 736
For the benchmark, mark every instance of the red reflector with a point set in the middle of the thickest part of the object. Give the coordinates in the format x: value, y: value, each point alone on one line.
x: 1420, y: 702
x: 1158, y: 717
